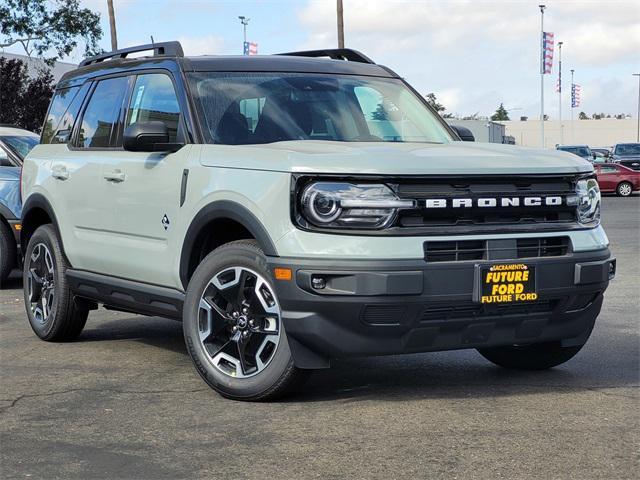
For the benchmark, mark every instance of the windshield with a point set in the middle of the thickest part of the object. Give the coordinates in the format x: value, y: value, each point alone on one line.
x: 248, y: 108
x: 580, y: 151
x: 20, y: 144
x: 628, y: 149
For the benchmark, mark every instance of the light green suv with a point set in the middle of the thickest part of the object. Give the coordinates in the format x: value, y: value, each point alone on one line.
x: 292, y: 209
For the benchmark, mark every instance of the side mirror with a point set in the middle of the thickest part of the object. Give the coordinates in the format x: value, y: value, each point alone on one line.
x: 464, y: 133
x: 148, y: 137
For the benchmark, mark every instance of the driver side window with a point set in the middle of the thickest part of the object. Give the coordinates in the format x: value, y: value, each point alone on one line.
x: 154, y: 100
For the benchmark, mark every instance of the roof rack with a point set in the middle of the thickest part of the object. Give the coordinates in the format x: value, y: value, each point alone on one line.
x: 169, y: 49
x: 335, y: 54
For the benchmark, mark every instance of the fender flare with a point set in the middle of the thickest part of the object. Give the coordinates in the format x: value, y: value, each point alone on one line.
x: 6, y: 213
x: 223, y: 209
x: 34, y: 201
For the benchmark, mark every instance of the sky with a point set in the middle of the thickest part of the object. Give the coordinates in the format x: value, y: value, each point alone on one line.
x: 473, y: 54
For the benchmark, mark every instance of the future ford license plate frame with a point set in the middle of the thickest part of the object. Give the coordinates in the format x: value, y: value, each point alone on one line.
x: 500, y: 282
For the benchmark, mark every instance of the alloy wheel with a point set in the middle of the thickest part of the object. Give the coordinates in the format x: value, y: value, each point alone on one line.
x: 239, y: 322
x: 41, y: 283
x: 625, y: 189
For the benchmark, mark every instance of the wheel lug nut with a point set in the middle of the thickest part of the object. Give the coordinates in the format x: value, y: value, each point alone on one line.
x: 234, y: 329
x: 245, y: 310
x: 252, y: 322
x: 245, y: 333
x: 235, y: 314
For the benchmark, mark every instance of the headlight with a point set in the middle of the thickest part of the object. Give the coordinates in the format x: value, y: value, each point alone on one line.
x: 348, y: 205
x: 587, y: 201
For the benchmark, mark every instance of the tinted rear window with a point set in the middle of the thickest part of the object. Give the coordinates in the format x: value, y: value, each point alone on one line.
x: 59, y: 105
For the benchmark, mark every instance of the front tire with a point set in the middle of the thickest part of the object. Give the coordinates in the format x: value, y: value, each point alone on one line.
x: 233, y: 329
x: 624, y: 189
x: 539, y: 356
x: 8, y: 254
x: 53, y: 313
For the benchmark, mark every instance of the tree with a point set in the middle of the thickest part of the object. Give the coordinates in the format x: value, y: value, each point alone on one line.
x: 42, y: 26
x: 583, y: 116
x: 23, y: 100
x: 433, y: 101
x: 501, y: 114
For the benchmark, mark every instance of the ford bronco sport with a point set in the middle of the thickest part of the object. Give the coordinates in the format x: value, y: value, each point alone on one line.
x: 292, y: 209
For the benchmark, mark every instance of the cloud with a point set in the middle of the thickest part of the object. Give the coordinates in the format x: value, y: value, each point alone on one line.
x: 475, y: 54
x: 205, y: 45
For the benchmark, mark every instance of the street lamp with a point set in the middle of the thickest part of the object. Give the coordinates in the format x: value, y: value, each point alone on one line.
x: 244, y: 21
x: 638, y: 131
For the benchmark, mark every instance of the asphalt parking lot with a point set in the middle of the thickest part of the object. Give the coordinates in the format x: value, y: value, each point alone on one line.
x: 125, y: 402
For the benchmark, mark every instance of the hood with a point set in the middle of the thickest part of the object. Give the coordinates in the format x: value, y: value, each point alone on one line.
x: 377, y: 158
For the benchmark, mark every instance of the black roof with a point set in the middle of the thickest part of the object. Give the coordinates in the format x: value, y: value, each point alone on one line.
x: 169, y: 55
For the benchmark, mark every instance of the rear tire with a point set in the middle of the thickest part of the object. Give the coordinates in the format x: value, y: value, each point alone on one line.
x: 8, y: 252
x: 539, y: 356
x: 53, y: 313
x: 624, y: 189
x: 233, y: 326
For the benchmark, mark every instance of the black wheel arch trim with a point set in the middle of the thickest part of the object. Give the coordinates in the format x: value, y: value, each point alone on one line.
x: 38, y: 201
x: 219, y: 210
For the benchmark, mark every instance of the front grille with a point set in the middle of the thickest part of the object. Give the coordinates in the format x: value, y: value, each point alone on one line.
x: 461, y: 250
x: 472, y: 311
x: 476, y: 218
x: 543, y: 247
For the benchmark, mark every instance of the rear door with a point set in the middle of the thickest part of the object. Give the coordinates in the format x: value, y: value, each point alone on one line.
x: 146, y: 191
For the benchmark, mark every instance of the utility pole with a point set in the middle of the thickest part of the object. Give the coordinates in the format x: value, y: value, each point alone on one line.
x: 560, y: 91
x: 638, y: 132
x: 542, y: 7
x: 244, y: 21
x: 112, y: 25
x: 340, y: 24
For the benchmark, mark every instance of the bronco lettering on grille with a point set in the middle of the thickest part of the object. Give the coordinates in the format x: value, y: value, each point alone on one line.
x: 493, y: 202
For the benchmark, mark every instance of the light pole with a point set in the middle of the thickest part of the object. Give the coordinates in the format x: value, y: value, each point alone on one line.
x: 638, y: 132
x: 542, y: 7
x: 112, y: 26
x: 560, y: 91
x: 244, y: 21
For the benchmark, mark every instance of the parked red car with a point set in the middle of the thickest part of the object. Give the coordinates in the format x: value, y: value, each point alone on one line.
x: 617, y: 178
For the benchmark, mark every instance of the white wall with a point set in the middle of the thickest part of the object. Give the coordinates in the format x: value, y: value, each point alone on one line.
x: 595, y: 133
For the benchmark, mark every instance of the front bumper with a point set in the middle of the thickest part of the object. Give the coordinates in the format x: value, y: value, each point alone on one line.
x: 404, y: 306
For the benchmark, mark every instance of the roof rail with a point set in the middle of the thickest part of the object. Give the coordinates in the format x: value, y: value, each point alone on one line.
x: 335, y: 54
x: 169, y: 49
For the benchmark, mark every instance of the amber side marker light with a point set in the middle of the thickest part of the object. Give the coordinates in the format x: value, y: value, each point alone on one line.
x: 18, y: 227
x: 283, y: 273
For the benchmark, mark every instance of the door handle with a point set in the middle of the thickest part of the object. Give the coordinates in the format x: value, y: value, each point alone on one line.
x: 60, y: 172
x: 116, y: 176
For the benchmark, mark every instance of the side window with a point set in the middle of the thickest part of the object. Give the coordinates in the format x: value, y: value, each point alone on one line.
x: 154, y: 100
x: 608, y: 169
x: 62, y: 133
x: 4, y: 159
x: 59, y: 105
x: 383, y: 117
x: 252, y: 108
x: 101, y: 116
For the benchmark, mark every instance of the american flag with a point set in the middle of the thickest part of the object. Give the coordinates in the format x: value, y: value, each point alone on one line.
x: 547, y: 52
x: 576, y: 90
x: 250, y: 48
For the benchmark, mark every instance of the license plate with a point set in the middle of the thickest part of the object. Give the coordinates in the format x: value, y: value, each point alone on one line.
x: 507, y: 283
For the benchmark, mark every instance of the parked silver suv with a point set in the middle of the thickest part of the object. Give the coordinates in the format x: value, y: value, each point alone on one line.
x: 291, y: 209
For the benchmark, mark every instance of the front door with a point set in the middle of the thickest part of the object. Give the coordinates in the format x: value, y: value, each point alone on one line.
x: 145, y: 188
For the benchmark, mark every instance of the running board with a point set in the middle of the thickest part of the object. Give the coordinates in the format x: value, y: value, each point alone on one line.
x: 126, y: 295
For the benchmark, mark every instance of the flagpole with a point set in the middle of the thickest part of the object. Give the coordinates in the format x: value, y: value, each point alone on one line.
x: 572, y: 96
x: 560, y: 91
x: 542, y: 7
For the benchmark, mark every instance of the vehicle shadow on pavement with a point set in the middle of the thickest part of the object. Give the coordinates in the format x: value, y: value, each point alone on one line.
x: 454, y: 374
